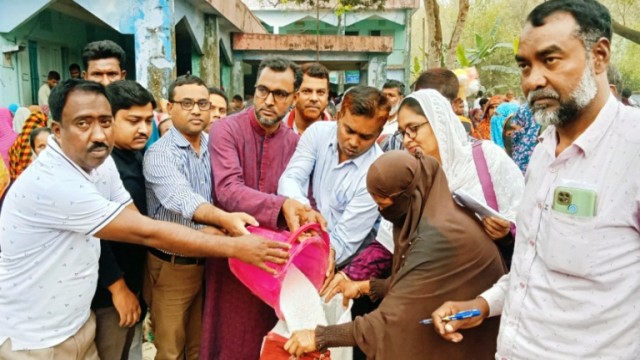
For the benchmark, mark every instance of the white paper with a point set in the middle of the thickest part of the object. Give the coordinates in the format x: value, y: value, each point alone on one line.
x: 385, y: 235
x: 481, y: 210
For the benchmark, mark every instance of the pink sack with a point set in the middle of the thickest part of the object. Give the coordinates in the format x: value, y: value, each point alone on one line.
x: 311, y: 257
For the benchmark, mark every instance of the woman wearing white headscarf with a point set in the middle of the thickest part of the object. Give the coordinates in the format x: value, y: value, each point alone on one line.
x: 430, y: 125
x: 19, y: 118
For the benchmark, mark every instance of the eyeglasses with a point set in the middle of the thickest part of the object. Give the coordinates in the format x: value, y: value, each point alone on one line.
x: 262, y: 92
x: 411, y: 131
x: 189, y: 104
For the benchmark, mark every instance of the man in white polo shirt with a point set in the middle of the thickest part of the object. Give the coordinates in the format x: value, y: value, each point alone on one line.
x: 52, y: 219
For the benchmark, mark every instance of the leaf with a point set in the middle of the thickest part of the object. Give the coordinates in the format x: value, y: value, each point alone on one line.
x: 516, y: 45
x: 479, y: 41
x: 503, y: 45
x: 495, y: 27
x: 462, y: 56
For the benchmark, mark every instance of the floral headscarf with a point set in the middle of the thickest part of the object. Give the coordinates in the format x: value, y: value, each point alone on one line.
x: 20, y: 153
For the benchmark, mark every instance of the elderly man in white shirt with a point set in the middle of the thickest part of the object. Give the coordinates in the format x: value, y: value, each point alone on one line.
x: 573, y: 290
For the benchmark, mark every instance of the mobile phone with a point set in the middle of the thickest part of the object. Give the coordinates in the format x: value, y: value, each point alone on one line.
x: 575, y: 201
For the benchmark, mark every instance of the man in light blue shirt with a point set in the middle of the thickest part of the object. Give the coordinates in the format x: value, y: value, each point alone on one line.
x: 335, y: 157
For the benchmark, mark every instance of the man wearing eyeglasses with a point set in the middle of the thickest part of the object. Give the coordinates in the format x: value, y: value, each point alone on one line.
x: 177, y: 170
x: 311, y: 100
x: 249, y: 152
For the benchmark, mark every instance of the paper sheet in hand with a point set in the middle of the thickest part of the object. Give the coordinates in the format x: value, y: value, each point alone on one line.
x: 481, y: 210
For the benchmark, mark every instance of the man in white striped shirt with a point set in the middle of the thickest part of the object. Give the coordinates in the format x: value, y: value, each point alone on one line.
x: 177, y: 170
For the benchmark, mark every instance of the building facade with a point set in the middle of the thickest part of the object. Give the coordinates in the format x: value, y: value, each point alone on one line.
x: 367, y: 57
x: 162, y: 39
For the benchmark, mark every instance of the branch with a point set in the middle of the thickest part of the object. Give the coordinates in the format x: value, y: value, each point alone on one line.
x: 463, y: 11
x: 434, y: 30
x: 625, y: 32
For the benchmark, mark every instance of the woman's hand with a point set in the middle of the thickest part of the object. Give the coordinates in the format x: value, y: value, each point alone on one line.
x: 495, y: 227
x: 301, y: 342
x: 348, y: 288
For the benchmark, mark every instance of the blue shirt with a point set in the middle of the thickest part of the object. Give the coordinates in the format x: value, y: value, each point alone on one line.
x: 340, y: 190
x: 178, y: 179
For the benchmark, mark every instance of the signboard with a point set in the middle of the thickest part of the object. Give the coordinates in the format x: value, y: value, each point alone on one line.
x: 352, y: 77
x: 334, y: 77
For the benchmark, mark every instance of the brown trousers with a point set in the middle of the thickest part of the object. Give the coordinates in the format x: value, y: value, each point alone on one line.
x: 80, y: 346
x: 174, y: 295
x: 112, y: 341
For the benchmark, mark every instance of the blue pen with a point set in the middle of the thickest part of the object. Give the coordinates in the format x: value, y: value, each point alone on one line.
x: 459, y: 316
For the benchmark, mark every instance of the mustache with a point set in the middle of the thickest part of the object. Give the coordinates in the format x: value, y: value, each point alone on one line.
x: 98, y: 145
x: 542, y: 93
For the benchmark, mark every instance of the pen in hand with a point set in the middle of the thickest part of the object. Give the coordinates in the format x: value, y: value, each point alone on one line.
x: 459, y: 316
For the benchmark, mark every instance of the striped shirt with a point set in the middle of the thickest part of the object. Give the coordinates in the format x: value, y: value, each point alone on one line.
x: 178, y: 179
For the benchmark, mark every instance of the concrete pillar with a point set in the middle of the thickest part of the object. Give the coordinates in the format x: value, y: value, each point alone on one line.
x: 155, y: 45
x: 364, y: 71
x: 377, y: 71
x: 407, y: 47
x: 237, y: 76
x: 341, y: 82
x: 210, y: 62
x: 225, y: 80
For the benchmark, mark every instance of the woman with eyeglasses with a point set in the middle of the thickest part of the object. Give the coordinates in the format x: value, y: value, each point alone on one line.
x: 427, y: 124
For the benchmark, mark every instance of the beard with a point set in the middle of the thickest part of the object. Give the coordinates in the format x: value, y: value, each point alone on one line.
x: 268, y: 121
x: 567, y: 111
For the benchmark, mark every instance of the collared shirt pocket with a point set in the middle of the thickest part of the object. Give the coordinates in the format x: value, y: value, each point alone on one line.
x: 568, y: 247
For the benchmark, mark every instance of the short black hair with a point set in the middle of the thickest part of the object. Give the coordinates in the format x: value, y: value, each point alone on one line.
x: 281, y: 64
x: 316, y: 70
x: 626, y: 93
x: 483, y: 101
x: 366, y: 101
x: 394, y: 84
x: 34, y: 134
x: 187, y: 79
x: 442, y: 80
x: 74, y: 66
x: 593, y: 18
x: 217, y: 91
x: 237, y: 97
x: 124, y: 94
x: 53, y: 75
x: 103, y: 49
x: 60, y: 93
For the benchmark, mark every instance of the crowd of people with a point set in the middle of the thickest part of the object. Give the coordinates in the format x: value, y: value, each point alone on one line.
x: 116, y: 205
